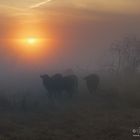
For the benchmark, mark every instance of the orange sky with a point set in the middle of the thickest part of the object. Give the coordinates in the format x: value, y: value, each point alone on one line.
x: 126, y: 6
x: 64, y: 28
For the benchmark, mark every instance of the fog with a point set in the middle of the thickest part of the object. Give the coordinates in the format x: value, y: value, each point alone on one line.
x: 80, y: 80
x: 77, y: 44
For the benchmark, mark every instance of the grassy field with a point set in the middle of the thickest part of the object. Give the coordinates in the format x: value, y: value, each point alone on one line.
x: 86, y: 117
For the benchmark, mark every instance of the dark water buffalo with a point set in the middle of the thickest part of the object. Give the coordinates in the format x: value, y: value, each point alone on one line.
x: 48, y: 84
x: 56, y: 84
x: 70, y: 84
x: 92, y: 82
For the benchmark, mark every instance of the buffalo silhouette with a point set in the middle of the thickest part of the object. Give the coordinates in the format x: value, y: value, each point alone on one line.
x: 70, y: 84
x: 48, y: 84
x: 58, y: 83
x: 92, y: 82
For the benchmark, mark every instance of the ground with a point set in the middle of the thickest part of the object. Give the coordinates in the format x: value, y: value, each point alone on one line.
x: 83, y: 118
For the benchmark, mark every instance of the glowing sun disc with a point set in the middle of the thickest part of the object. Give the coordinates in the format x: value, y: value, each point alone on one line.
x: 31, y: 40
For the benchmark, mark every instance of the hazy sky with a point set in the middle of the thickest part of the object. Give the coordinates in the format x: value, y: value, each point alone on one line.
x: 127, y: 7
x: 80, y: 29
x: 78, y: 33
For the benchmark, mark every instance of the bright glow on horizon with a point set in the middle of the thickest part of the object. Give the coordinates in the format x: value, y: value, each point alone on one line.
x: 31, y: 40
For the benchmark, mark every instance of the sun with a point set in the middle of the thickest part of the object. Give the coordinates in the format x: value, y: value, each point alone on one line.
x: 31, y: 40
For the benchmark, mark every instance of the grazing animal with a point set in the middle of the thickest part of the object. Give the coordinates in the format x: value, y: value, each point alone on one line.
x: 56, y: 84
x: 70, y: 84
x: 92, y: 82
x: 48, y: 84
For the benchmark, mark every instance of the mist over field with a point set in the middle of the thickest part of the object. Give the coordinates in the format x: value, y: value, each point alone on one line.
x: 69, y: 70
